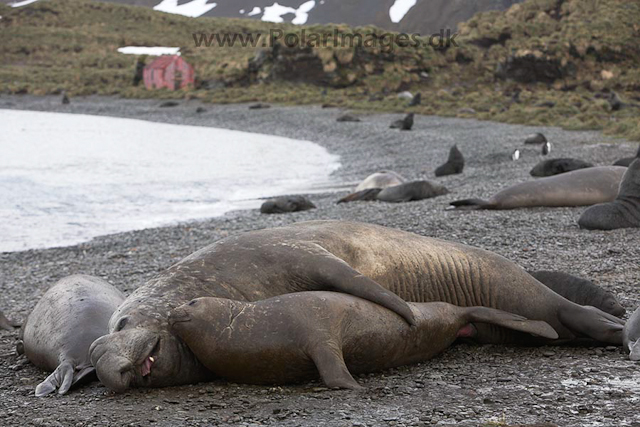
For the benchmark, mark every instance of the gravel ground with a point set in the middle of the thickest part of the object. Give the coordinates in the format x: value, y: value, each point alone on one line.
x: 466, y: 386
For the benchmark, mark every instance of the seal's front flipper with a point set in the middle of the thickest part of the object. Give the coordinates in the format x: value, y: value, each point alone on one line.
x: 367, y: 195
x: 330, y: 363
x: 587, y: 321
x: 61, y: 377
x: 469, y: 204
x: 511, y: 321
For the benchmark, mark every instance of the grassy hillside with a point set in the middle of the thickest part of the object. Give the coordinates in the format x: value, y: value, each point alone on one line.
x: 551, y: 62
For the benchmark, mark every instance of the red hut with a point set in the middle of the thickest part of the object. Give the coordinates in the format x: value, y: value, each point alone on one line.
x: 170, y: 71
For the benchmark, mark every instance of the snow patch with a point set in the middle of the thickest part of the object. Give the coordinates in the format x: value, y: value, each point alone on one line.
x: 400, y: 9
x: 256, y: 11
x: 275, y: 12
x: 22, y: 3
x: 147, y: 50
x: 193, y: 9
x: 241, y: 11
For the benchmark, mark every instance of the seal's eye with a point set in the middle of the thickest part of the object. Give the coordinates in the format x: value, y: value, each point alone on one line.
x: 193, y: 302
x: 121, y: 324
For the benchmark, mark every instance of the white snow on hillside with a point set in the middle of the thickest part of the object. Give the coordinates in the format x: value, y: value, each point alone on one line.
x: 256, y: 11
x: 22, y: 3
x: 149, y: 50
x: 275, y: 12
x: 194, y: 8
x: 400, y: 9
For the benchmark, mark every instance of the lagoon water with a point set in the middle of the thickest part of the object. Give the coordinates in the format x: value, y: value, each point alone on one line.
x: 65, y: 178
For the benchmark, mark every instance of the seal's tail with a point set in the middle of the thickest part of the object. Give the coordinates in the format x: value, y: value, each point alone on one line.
x: 590, y: 322
x: 470, y: 204
x: 368, y: 194
x: 511, y: 321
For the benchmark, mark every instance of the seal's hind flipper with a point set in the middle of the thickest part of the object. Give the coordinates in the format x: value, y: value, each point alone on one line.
x: 366, y: 195
x: 329, y: 360
x: 511, y: 321
x: 61, y: 378
x: 590, y: 322
x: 471, y: 204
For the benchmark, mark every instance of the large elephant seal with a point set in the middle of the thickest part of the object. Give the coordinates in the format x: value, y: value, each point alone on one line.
x: 7, y: 324
x: 631, y: 336
x: 407, y: 192
x: 294, y: 337
x: 581, y: 291
x: 623, y: 212
x: 376, y: 263
x: 557, y: 166
x: 583, y: 187
x: 59, y: 331
x: 382, y: 179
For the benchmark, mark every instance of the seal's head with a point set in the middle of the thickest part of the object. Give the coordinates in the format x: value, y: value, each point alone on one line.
x: 143, y: 352
x: 610, y: 304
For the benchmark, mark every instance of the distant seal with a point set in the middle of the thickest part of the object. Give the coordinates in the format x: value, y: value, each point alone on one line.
x: 557, y: 166
x: 168, y: 104
x: 379, y: 264
x: 382, y: 179
x: 59, y: 331
x: 403, y: 124
x: 7, y: 324
x: 581, y: 291
x: 65, y: 99
x: 407, y: 192
x: 536, y: 138
x: 286, y: 204
x: 583, y: 187
x: 631, y: 336
x: 623, y: 212
x: 259, y: 106
x: 416, y: 100
x: 454, y: 164
x: 626, y: 161
x: 348, y: 118
x: 294, y: 337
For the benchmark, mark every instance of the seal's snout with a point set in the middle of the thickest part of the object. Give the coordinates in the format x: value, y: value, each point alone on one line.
x: 179, y: 315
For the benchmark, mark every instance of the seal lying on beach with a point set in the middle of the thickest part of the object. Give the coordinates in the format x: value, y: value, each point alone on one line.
x: 580, y: 291
x: 407, y: 192
x: 286, y: 204
x: 454, y: 164
x: 403, y: 124
x: 59, y: 331
x: 7, y: 324
x: 626, y: 161
x: 379, y: 264
x: 631, y: 336
x: 623, y: 212
x: 583, y: 187
x: 294, y: 337
x: 536, y: 138
x: 382, y: 179
x: 557, y: 166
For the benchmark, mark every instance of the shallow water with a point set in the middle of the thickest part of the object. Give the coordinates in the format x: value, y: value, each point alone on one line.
x: 65, y: 178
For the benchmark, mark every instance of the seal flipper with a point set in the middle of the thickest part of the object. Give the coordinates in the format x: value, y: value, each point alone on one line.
x: 329, y: 360
x: 62, y: 379
x: 472, y: 204
x: 366, y: 195
x: 511, y: 321
x: 592, y: 323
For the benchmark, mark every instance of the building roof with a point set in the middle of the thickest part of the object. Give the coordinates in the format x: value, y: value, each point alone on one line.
x: 163, y: 61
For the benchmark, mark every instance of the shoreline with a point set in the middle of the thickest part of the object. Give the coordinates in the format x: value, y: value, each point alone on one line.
x: 467, y: 384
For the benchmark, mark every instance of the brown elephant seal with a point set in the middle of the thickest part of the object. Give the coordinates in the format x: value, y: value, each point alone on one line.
x: 535, y: 138
x: 557, y: 166
x: 581, y: 291
x: 631, y: 336
x: 407, y: 192
x: 382, y: 179
x: 583, y: 187
x: 623, y: 212
x: 348, y: 118
x: 286, y: 204
x: 59, y: 331
x: 454, y: 164
x: 626, y: 161
x: 7, y: 324
x: 379, y: 264
x: 403, y: 124
x: 294, y: 337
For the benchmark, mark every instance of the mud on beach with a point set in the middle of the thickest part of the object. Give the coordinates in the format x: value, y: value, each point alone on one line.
x: 466, y: 386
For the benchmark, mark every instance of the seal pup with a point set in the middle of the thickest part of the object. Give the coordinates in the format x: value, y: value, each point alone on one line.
x: 348, y: 118
x: 294, y: 337
x: 259, y: 106
x: 623, y: 212
x: 579, y: 290
x: 631, y: 336
x: 382, y: 179
x: 168, y: 104
x: 403, y: 124
x: 7, y: 324
x: 286, y: 204
x: 57, y: 335
x: 582, y: 187
x: 454, y: 164
x: 407, y: 192
x: 536, y: 138
x: 557, y: 166
x: 379, y: 264
x: 626, y: 161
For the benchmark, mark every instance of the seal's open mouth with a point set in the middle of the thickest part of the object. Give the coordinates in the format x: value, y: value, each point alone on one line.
x: 147, y: 363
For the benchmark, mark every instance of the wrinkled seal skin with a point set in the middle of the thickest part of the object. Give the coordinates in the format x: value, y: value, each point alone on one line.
x: 557, y: 166
x: 581, y: 291
x: 7, y: 324
x: 407, y: 192
x: 59, y: 331
x: 373, y: 262
x: 294, y: 337
x: 454, y: 164
x: 382, y: 179
x: 631, y: 336
x: 286, y: 204
x: 583, y: 187
x: 623, y: 212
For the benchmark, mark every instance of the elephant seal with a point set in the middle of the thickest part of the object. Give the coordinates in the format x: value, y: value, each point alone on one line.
x: 407, y: 192
x: 623, y: 212
x: 59, y: 331
x: 631, y: 336
x: 348, y: 118
x: 580, y: 291
x: 626, y: 161
x: 7, y: 324
x: 582, y: 187
x: 403, y: 124
x: 454, y: 164
x: 536, y: 138
x: 286, y: 204
x: 382, y: 179
x: 379, y: 264
x: 294, y: 337
x: 557, y: 166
